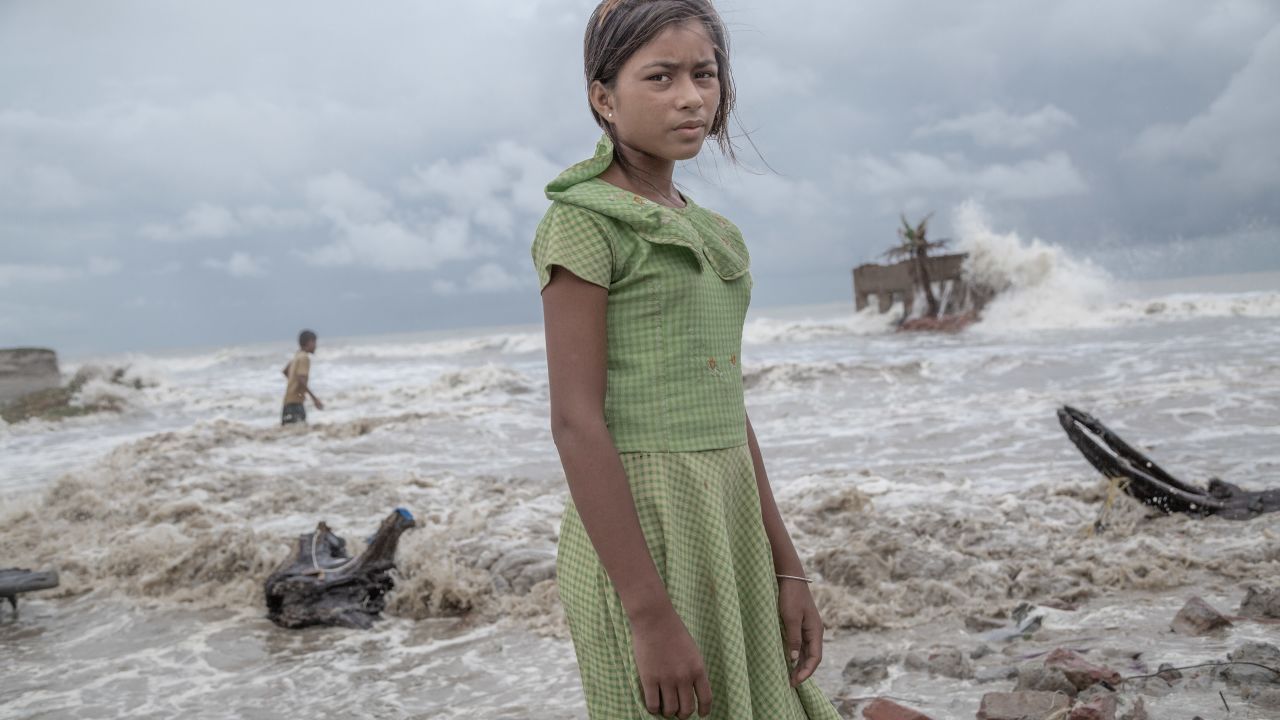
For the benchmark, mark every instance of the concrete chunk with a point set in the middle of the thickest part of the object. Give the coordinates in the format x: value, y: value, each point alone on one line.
x: 1028, y: 705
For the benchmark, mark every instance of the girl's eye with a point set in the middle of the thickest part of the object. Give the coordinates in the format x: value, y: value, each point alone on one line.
x: 707, y: 75
x: 663, y: 77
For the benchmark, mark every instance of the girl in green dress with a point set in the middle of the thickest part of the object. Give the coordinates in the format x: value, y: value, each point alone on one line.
x: 680, y: 583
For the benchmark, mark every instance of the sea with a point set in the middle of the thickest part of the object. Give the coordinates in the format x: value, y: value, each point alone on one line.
x: 925, y: 479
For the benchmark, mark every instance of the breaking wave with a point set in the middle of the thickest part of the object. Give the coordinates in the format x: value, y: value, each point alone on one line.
x: 1042, y: 286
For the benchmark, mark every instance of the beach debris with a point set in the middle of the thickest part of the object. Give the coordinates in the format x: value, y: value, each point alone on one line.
x: 1147, y: 482
x: 1024, y: 705
x: 15, y: 581
x: 1261, y: 603
x: 321, y: 585
x: 886, y: 709
x: 1079, y: 671
x: 1025, y: 624
x: 1198, y: 617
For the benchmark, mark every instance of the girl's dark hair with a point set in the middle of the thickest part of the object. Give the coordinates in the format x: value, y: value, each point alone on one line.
x: 618, y: 28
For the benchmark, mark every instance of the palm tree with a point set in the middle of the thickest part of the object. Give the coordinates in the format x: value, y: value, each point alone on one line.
x: 915, y: 245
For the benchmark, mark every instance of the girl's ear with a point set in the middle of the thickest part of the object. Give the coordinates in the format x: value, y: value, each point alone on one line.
x: 601, y: 99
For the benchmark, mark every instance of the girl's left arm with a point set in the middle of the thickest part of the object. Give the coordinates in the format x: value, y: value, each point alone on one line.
x: 800, y: 620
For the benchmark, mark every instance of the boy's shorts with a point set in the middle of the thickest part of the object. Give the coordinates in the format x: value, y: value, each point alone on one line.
x: 293, y: 413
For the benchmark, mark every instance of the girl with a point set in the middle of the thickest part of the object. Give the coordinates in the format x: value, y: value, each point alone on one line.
x: 674, y: 565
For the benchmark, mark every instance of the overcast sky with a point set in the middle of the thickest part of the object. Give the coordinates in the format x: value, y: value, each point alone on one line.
x: 177, y: 174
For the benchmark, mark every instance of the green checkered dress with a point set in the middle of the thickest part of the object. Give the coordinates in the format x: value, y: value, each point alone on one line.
x: 678, y: 293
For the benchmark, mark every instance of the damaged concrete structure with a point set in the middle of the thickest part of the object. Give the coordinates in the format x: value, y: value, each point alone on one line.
x: 27, y: 370
x: 896, y: 283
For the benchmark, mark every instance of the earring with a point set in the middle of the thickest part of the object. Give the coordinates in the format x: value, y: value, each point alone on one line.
x: 610, y: 114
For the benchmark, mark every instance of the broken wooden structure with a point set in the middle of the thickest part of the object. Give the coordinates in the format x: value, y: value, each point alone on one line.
x: 15, y: 581
x: 896, y: 283
x: 1146, y: 481
x: 321, y: 585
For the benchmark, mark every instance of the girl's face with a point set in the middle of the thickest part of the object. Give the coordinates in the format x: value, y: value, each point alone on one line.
x: 666, y: 94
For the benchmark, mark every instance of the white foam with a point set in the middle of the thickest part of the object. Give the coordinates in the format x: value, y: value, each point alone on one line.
x: 1043, y: 286
x: 1039, y: 284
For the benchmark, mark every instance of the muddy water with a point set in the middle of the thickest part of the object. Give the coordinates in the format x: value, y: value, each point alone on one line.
x: 925, y: 479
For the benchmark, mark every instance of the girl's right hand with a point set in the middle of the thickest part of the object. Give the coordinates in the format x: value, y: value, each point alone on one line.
x: 672, y: 674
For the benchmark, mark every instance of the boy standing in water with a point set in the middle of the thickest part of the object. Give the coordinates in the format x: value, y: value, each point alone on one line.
x: 297, y: 390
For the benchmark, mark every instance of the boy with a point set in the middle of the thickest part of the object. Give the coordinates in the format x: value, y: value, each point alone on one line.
x: 295, y: 394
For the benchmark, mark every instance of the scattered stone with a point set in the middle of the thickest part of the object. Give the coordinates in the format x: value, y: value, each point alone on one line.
x: 1100, y: 707
x: 867, y: 667
x: 1095, y: 691
x: 1168, y: 673
x: 519, y: 570
x: 1253, y: 652
x: 882, y: 709
x: 945, y: 661
x: 1266, y: 698
x: 1197, y: 617
x: 1022, y: 705
x: 1261, y: 603
x: 1081, y: 673
x: 993, y: 674
x: 980, y: 652
x: 1044, y: 679
x: 1139, y: 712
x: 1155, y: 687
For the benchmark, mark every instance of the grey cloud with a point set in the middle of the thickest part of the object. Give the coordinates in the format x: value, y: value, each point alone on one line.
x: 493, y: 278
x: 997, y: 127
x: 15, y: 274
x: 390, y: 161
x: 1051, y: 176
x: 391, y: 246
x: 239, y: 265
x: 1236, y: 135
x: 202, y: 221
x: 100, y: 266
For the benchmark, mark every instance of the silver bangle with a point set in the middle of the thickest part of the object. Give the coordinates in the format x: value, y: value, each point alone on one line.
x: 793, y: 577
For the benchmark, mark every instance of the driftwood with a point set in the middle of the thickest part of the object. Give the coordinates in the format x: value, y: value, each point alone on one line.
x: 321, y: 585
x: 1146, y: 481
x: 14, y: 581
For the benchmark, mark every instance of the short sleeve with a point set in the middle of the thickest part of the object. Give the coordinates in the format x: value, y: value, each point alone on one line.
x: 302, y: 365
x: 577, y: 240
